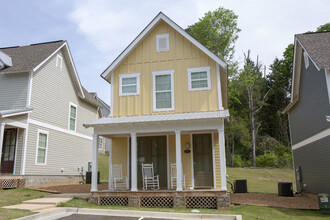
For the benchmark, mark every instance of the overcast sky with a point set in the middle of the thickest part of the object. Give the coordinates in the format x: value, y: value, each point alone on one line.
x: 99, y: 30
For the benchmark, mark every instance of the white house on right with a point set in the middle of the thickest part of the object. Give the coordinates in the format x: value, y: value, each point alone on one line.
x: 309, y: 112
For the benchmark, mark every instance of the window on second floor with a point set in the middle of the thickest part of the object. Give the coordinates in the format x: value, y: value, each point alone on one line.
x: 162, y: 42
x: 73, y: 117
x: 59, y: 61
x: 129, y: 84
x: 199, y: 78
x: 163, y: 90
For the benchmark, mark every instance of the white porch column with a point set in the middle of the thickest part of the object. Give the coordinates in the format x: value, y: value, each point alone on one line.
x: 133, y: 162
x: 110, y: 164
x: 178, y: 161
x: 94, y: 163
x: 2, y: 130
x: 222, y: 156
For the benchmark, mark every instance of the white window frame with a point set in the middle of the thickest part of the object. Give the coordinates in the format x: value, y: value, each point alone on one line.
x: 37, y: 148
x: 59, y: 61
x: 306, y: 59
x: 100, y: 142
x: 75, y: 124
x: 129, y: 75
x: 158, y: 73
x: 161, y: 36
x: 199, y: 69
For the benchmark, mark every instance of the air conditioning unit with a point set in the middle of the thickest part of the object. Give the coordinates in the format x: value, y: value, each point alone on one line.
x: 240, y: 186
x: 285, y: 189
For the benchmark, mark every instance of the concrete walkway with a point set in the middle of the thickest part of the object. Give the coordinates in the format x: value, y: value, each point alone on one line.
x: 39, y: 204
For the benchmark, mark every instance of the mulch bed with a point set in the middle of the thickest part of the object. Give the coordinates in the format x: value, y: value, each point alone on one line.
x: 299, y: 201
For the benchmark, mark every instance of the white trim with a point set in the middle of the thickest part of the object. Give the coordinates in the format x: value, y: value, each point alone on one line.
x: 17, y: 113
x: 94, y: 164
x: 213, y: 162
x: 168, y: 161
x: 59, y: 61
x: 308, y: 54
x: 127, y: 171
x: 129, y: 75
x: 144, y: 33
x: 134, y: 162
x: 327, y: 77
x: 158, y: 73
x: 110, y: 165
x: 72, y: 64
x: 294, y: 68
x: 111, y: 97
x: 192, y: 161
x: 25, y: 137
x: 14, y: 170
x: 37, y: 146
x: 312, y: 139
x: 162, y: 36
x: 29, y: 90
x: 55, y: 128
x: 2, y: 135
x: 199, y: 69
x: 14, y: 123
x: 219, y: 87
x: 306, y: 59
x: 222, y: 154
x: 178, y: 161
x: 75, y: 122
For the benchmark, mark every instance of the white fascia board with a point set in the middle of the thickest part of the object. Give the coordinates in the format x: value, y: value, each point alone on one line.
x: 70, y: 61
x: 6, y: 59
x: 307, y: 54
x: 143, y: 34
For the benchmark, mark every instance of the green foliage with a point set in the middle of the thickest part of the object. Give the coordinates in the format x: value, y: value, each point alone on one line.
x: 266, y: 160
x: 217, y: 31
x: 325, y: 27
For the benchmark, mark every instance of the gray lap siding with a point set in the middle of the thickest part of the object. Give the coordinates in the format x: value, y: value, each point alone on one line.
x: 308, y: 116
x: 314, y: 162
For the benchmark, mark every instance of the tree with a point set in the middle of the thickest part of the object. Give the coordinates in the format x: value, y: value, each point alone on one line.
x: 251, y: 84
x: 325, y: 27
x: 217, y: 31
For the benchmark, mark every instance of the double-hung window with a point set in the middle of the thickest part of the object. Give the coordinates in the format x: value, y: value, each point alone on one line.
x: 42, y: 145
x: 199, y: 78
x: 99, y: 143
x: 163, y: 90
x: 129, y: 84
x: 72, y: 117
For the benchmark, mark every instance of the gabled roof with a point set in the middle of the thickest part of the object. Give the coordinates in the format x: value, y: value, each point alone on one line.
x: 160, y: 17
x: 317, y: 45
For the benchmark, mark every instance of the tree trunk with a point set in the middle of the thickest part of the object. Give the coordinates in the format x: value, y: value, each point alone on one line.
x: 233, y: 150
x: 228, y: 149
x: 253, y: 130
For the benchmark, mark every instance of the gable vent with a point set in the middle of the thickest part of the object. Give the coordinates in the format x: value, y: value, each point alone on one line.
x: 162, y: 42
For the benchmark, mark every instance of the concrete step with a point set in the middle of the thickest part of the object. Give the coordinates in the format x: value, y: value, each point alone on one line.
x: 31, y: 207
x: 48, y: 201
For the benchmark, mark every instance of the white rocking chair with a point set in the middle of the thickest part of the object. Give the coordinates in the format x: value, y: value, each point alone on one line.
x: 118, y: 180
x: 148, y: 177
x: 174, y: 179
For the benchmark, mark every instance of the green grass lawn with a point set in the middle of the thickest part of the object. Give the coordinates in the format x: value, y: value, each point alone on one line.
x: 261, y: 180
x: 16, y: 196
x: 248, y: 212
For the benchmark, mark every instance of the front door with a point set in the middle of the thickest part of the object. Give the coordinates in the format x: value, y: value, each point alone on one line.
x: 152, y: 150
x: 203, y: 163
x: 8, y: 151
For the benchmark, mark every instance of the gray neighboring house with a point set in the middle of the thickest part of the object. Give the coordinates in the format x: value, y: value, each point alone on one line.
x: 309, y: 112
x: 42, y: 110
x: 103, y: 142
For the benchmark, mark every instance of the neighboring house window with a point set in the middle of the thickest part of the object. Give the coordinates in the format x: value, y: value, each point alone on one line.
x: 306, y: 60
x: 42, y: 145
x: 73, y: 117
x: 199, y: 78
x: 129, y: 84
x: 162, y: 42
x: 163, y: 90
x: 100, y: 143
x: 59, y: 61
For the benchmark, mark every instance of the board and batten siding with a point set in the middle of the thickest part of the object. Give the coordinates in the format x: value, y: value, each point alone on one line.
x: 308, y: 115
x: 63, y: 151
x: 13, y: 90
x: 182, y: 55
x: 18, y: 151
x: 119, y: 153
x: 52, y: 91
x: 313, y: 159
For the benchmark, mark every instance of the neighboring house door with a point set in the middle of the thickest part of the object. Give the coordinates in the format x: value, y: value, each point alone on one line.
x: 203, y: 163
x: 8, y: 151
x: 153, y: 150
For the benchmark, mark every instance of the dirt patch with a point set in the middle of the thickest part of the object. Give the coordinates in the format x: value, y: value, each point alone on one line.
x: 300, y: 201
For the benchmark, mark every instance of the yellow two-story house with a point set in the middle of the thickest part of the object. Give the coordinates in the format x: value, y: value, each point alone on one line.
x: 168, y: 105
